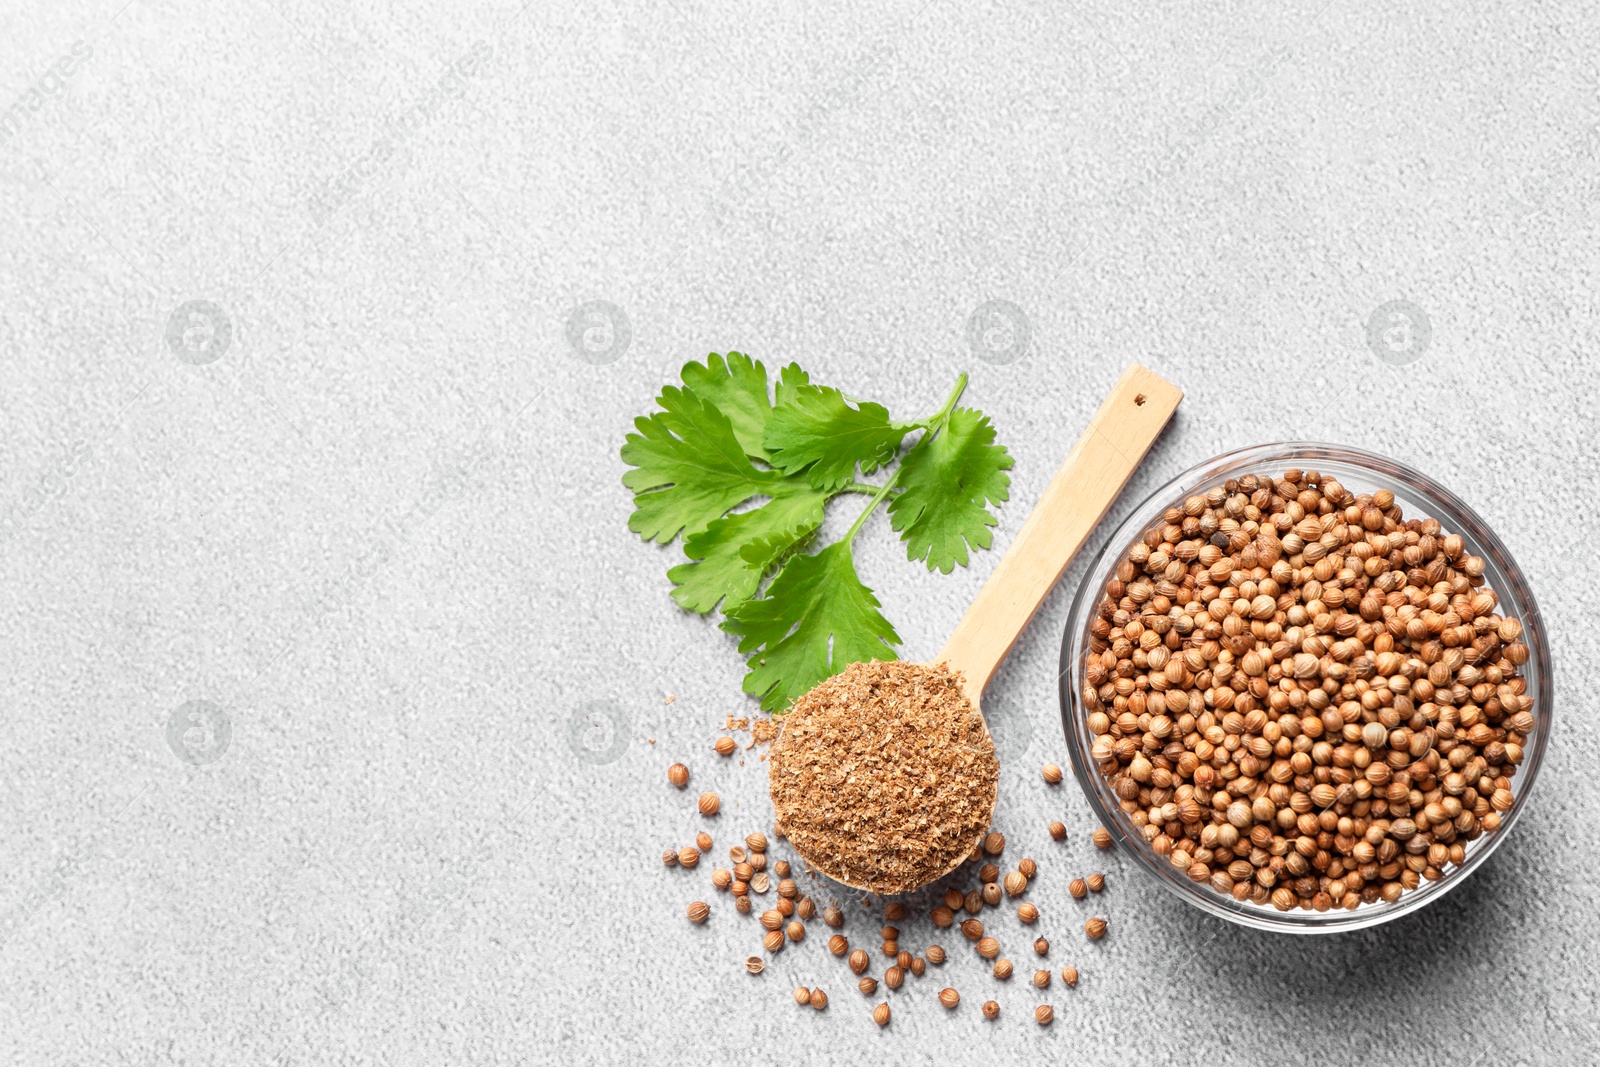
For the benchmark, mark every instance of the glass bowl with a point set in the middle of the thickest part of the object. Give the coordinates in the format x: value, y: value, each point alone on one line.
x: 1359, y: 471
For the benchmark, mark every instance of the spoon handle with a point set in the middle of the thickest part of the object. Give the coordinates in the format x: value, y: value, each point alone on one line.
x: 1101, y: 463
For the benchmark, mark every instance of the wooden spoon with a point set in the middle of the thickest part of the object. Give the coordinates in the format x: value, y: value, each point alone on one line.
x: 1119, y: 435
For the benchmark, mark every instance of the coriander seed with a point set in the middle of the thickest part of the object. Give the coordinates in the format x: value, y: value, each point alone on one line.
x: 994, y: 843
x: 1095, y: 928
x: 699, y: 912
x: 973, y: 929
x: 1042, y: 947
x: 760, y: 883
x: 1078, y: 888
x: 796, y: 931
x: 838, y: 944
x: 709, y: 803
x: 819, y: 1000
x: 742, y: 904
x: 988, y: 948
x: 756, y: 842
x: 894, y: 977
x: 895, y: 911
x: 880, y: 1015
x: 773, y: 941
x: 988, y: 873
x: 722, y: 878
x: 1041, y: 979
x: 1043, y: 1014
x: 772, y: 920
x: 754, y: 964
x: 678, y: 775
x: 806, y: 909
x: 1028, y: 868
x: 702, y: 841
x: 1027, y: 914
x: 858, y: 960
x: 669, y: 858
x: 942, y: 916
x: 1096, y: 882
x: 802, y: 996
x: 935, y: 955
x: 1002, y: 970
x: 688, y: 856
x: 903, y: 960
x: 1102, y: 837
x: 1058, y: 832
x: 949, y: 997
x: 1016, y: 884
x: 868, y: 985
x: 1069, y: 975
x: 724, y: 746
x: 991, y: 893
x: 1052, y: 773
x: 991, y: 1009
x: 919, y: 966
x: 833, y: 916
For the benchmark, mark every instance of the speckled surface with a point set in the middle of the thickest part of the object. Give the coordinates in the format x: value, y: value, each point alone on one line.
x: 375, y: 538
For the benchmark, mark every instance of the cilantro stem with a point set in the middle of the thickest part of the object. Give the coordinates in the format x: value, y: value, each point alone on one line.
x: 931, y: 425
x: 859, y: 487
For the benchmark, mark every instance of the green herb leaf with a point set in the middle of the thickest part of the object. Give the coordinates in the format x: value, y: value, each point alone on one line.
x: 815, y: 430
x: 790, y: 379
x: 738, y: 388
x: 689, y: 468
x: 816, y: 619
x: 946, y: 479
x: 731, y: 555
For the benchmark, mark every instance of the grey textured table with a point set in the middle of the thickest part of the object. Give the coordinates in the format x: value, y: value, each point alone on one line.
x: 305, y: 584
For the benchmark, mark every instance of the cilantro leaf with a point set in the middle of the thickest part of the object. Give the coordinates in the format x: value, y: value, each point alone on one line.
x: 688, y: 468
x: 738, y: 387
x: 816, y: 619
x: 816, y: 430
x: 790, y: 379
x: 946, y: 479
x: 729, y: 557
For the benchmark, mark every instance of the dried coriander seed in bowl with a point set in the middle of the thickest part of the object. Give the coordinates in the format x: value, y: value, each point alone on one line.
x: 1308, y: 684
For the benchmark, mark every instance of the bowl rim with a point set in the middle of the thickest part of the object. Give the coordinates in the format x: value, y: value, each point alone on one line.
x: 1501, y: 574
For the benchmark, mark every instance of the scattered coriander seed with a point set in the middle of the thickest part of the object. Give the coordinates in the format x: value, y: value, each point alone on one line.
x: 895, y: 911
x: 761, y: 883
x: 868, y: 985
x: 725, y: 746
x: 1028, y: 868
x: 936, y: 955
x: 806, y: 909
x: 973, y: 902
x: 991, y: 893
x: 742, y: 903
x: 773, y: 941
x: 737, y: 854
x: 802, y: 996
x: 787, y: 889
x: 903, y: 960
x: 888, y: 932
x: 991, y: 1009
x: 785, y: 907
x: 1095, y: 928
x: 953, y: 899
x: 1027, y: 914
x: 833, y: 916
x: 796, y: 931
x: 702, y: 841
x: 722, y: 878
x: 1042, y: 946
x: 880, y: 1015
x: 1016, y: 884
x: 1052, y: 773
x: 688, y: 856
x: 756, y: 842
x: 973, y: 929
x: 1058, y: 832
x: 1041, y: 979
x: 772, y: 920
x: 699, y: 911
x: 988, y: 873
x: 781, y: 868
x: 988, y: 948
x: 838, y: 944
x: 919, y: 966
x: 949, y: 997
x: 669, y: 858
x: 894, y: 977
x: 757, y: 861
x: 1096, y: 882
x: 858, y: 960
x: 1069, y: 975
x: 1002, y: 970
x: 709, y: 803
x: 942, y: 916
x: 994, y: 843
x: 890, y: 948
x: 743, y: 871
x: 819, y: 1000
x: 678, y: 775
x: 1043, y: 1014
x: 754, y: 964
x: 1101, y: 837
